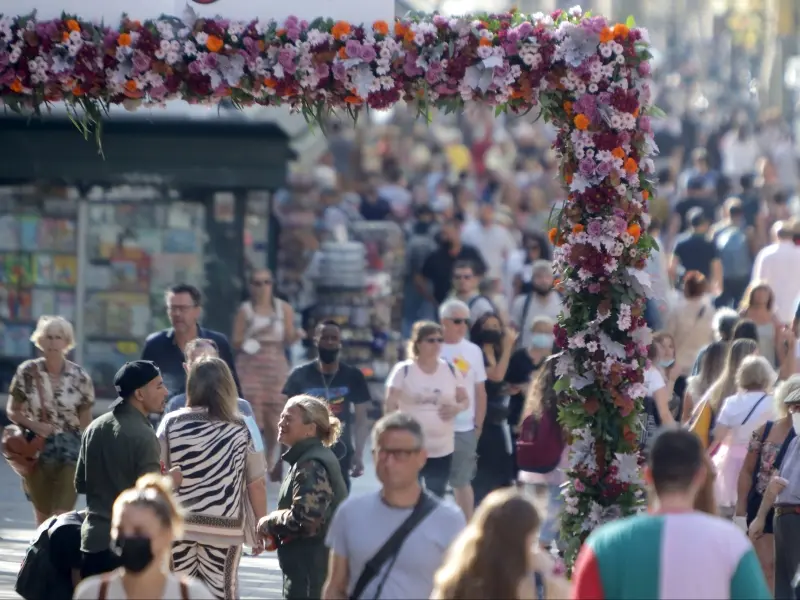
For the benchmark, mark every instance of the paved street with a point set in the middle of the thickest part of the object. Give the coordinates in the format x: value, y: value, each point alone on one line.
x: 260, y: 577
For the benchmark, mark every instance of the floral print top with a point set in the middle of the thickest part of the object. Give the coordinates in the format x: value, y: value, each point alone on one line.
x: 768, y: 453
x: 63, y: 404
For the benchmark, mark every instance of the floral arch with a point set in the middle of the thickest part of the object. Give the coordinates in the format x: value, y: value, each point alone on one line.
x: 588, y: 77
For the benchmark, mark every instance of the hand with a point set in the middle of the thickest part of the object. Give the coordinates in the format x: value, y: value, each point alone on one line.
x: 756, y: 529
x: 44, y: 430
x: 259, y: 547
x: 510, y: 337
x: 357, y: 469
x: 263, y: 526
x: 177, y: 477
x: 741, y: 523
x: 776, y: 484
x: 448, y: 412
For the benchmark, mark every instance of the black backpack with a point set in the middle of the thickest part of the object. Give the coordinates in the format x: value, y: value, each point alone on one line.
x: 38, y: 577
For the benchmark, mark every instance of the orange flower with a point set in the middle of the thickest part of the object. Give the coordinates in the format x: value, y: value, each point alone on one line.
x: 581, y: 122
x: 77, y: 91
x: 618, y: 152
x: 73, y: 25
x: 342, y: 53
x: 621, y: 31
x: 400, y: 29
x: 517, y: 94
x: 485, y: 42
x: 635, y: 230
x: 353, y: 99
x: 409, y: 36
x: 214, y: 44
x: 16, y: 87
x: 130, y: 85
x: 340, y: 29
x: 577, y: 228
x: 606, y: 35
x: 124, y: 39
x: 636, y: 113
x: 568, y: 178
x: 645, y: 194
x: 64, y: 36
x: 270, y: 82
x: 280, y: 32
x: 568, y: 107
x: 552, y: 235
x: 631, y: 167
x: 380, y: 27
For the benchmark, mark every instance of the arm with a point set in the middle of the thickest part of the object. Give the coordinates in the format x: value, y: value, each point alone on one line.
x: 239, y: 327
x: 748, y: 582
x: 688, y: 407
x: 335, y: 587
x: 312, y: 495
x: 80, y: 468
x: 290, y: 333
x: 421, y: 283
x: 480, y: 405
x: 148, y: 456
x: 393, y: 396
x: 775, y: 486
x: 15, y: 409
x: 717, y: 436
x: 661, y: 398
x: 497, y: 371
x: 716, y: 275
x: 745, y: 480
x: 87, y: 401
x: 586, y: 581
x: 362, y: 430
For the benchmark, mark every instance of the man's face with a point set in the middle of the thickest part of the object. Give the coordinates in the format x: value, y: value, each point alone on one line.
x: 328, y: 337
x: 450, y: 232
x: 399, y: 457
x: 183, y: 312
x: 543, y: 279
x: 455, y: 326
x: 464, y: 280
x: 153, y: 395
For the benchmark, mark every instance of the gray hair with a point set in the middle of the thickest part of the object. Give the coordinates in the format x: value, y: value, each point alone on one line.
x: 542, y: 265
x: 755, y: 373
x: 398, y: 421
x: 451, y: 307
x: 57, y: 325
x: 788, y: 387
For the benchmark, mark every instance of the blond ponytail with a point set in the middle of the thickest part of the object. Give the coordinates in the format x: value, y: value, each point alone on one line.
x: 317, y: 411
x: 152, y: 491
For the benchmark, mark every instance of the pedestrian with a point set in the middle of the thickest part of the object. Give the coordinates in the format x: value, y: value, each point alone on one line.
x: 389, y: 543
x: 675, y: 551
x: 467, y: 358
x: 52, y: 397
x: 146, y: 522
x: 116, y: 450
x: 344, y: 388
x: 505, y: 525
x: 429, y: 389
x: 263, y: 329
x: 166, y: 348
x: 225, y: 476
x: 308, y: 498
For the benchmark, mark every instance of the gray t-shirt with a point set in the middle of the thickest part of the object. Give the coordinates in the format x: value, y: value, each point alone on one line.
x: 361, y: 526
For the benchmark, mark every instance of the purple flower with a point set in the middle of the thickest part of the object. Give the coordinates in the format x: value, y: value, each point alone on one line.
x: 439, y: 21
x: 524, y: 30
x: 293, y: 33
x: 512, y: 36
x: 594, y: 229
x: 339, y: 71
x: 644, y: 68
x: 353, y: 49
x: 291, y: 22
x: 586, y: 105
x: 586, y: 167
x: 368, y: 53
x: 594, y: 288
x: 645, y: 124
x: 603, y: 169
x: 604, y: 98
x: 594, y: 24
x: 286, y: 60
x: 3, y: 59
x: 195, y: 67
x: 158, y: 92
x: 210, y: 61
x: 141, y: 62
x: 322, y: 69
x: 410, y: 67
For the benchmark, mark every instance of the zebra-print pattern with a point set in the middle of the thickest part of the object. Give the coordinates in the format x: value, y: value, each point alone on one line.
x: 217, y: 568
x: 212, y: 458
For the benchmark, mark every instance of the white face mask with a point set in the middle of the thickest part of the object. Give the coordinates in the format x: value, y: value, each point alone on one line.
x: 796, y: 423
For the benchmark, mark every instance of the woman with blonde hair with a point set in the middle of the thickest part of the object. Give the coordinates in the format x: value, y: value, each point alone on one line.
x: 497, y: 556
x: 145, y: 522
x: 310, y: 494
x: 758, y: 305
x: 224, y: 485
x: 712, y: 363
x: 52, y: 397
x: 432, y: 391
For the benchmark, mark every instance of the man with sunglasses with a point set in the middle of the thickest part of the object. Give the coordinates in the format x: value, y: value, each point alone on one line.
x: 465, y: 289
x: 165, y: 348
x: 467, y: 357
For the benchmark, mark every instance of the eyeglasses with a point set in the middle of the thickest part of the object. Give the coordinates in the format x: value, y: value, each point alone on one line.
x: 460, y: 321
x: 176, y: 308
x: 462, y: 276
x: 396, y: 453
x: 433, y: 340
x: 260, y: 282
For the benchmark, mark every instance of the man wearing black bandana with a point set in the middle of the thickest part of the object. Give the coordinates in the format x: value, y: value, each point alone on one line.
x: 344, y: 388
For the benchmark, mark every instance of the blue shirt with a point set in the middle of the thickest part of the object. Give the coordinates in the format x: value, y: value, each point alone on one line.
x: 179, y: 402
x: 160, y: 347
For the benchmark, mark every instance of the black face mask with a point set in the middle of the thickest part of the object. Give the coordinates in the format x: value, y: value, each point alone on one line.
x: 328, y: 356
x: 135, y: 553
x: 491, y: 336
x: 446, y: 244
x: 541, y: 290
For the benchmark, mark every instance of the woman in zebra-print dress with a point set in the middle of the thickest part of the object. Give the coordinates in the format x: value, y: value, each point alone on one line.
x: 224, y: 488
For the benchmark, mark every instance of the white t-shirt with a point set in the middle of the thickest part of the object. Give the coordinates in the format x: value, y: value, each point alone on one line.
x: 653, y: 381
x: 467, y: 358
x: 736, y: 408
x: 89, y: 589
x: 423, y: 394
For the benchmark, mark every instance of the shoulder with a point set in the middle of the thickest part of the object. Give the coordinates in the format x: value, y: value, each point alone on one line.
x: 28, y: 367
x: 77, y: 371
x: 448, y: 517
x: 89, y: 589
x: 351, y: 371
x: 473, y: 349
x: 302, y: 369
x: 158, y: 337
x: 399, y: 367
x: 360, y: 504
x: 312, y: 472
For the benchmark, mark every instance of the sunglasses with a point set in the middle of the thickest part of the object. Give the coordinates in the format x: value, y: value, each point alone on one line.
x: 434, y: 340
x: 260, y: 282
x: 460, y: 321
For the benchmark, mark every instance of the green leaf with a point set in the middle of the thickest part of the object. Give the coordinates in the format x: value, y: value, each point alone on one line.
x: 562, y: 385
x: 630, y: 23
x: 655, y: 112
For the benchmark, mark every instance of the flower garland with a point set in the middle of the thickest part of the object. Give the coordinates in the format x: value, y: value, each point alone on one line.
x: 588, y: 77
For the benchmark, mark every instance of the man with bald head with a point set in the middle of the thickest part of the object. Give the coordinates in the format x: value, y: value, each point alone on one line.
x: 776, y: 264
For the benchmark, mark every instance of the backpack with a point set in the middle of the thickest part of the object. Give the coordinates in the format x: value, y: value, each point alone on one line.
x: 734, y: 251
x: 37, y: 577
x: 540, y: 444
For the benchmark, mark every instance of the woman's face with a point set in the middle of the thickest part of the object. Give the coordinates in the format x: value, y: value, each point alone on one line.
x: 137, y: 525
x: 54, y: 342
x: 542, y: 338
x: 760, y: 298
x: 430, y: 345
x: 534, y: 250
x: 260, y: 283
x: 291, y: 428
x: 666, y: 348
x: 492, y: 324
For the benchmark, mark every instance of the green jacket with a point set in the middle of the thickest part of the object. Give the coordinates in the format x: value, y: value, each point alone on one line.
x: 309, y: 495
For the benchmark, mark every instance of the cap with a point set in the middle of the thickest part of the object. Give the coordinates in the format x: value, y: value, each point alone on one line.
x: 134, y: 375
x: 793, y: 398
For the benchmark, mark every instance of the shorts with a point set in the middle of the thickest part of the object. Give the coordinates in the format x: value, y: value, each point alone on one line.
x: 51, y: 488
x: 435, y: 474
x: 465, y: 459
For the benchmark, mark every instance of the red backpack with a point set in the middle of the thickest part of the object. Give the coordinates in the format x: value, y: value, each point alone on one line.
x: 540, y: 444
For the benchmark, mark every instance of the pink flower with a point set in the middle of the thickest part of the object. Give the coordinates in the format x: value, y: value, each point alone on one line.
x: 579, y: 487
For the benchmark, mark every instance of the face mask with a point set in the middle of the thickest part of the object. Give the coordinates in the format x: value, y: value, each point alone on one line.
x: 446, y: 244
x: 541, y: 290
x: 666, y: 364
x: 328, y: 356
x: 135, y: 553
x: 491, y: 336
x: 542, y: 340
x: 796, y: 423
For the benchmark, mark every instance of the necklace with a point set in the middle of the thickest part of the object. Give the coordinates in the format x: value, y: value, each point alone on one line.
x: 325, y: 383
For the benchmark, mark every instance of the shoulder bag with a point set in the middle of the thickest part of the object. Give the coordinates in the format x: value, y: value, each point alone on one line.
x: 21, y: 447
x: 391, y: 548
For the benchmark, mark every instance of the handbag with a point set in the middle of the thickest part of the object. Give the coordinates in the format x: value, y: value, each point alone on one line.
x: 22, y: 447
x: 391, y: 548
